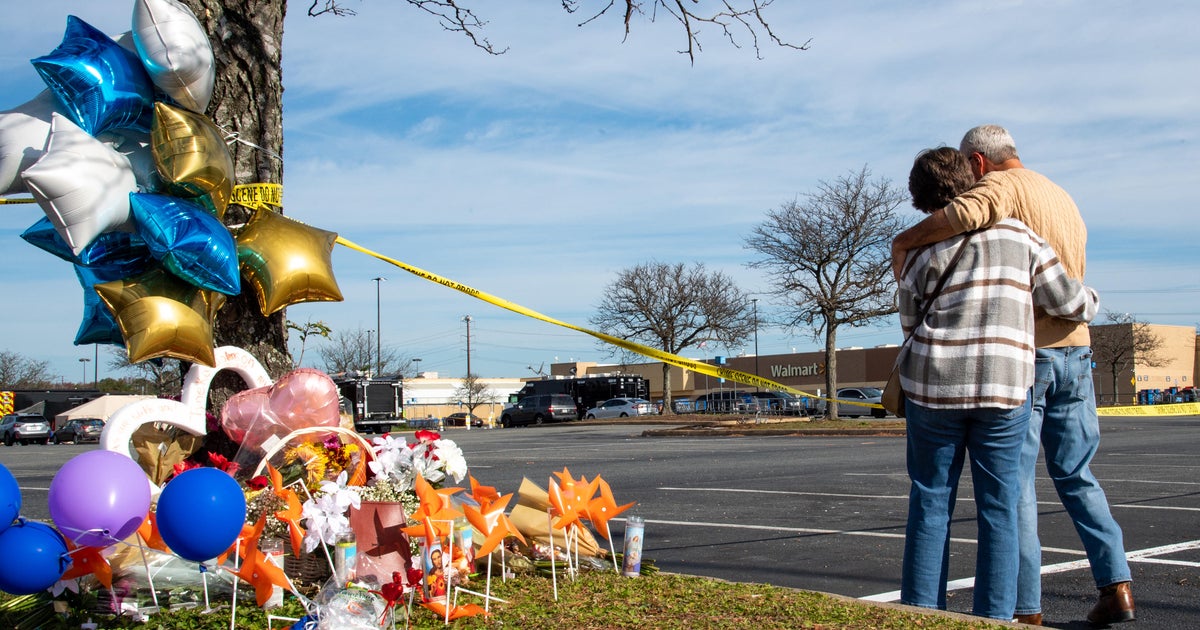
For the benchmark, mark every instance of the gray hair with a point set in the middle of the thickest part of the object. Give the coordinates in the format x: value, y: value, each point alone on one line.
x: 993, y: 141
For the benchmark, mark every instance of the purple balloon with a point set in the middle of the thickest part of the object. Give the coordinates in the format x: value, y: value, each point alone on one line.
x: 99, y: 498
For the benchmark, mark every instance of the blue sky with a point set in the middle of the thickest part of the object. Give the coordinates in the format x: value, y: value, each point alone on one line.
x: 539, y: 174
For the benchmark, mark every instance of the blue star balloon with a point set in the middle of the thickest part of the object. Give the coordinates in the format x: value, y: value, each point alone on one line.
x: 188, y: 240
x: 98, y: 325
x: 44, y: 236
x: 99, y: 84
x: 114, y: 254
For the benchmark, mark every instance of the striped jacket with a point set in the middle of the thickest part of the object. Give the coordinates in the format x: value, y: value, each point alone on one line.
x: 976, y: 346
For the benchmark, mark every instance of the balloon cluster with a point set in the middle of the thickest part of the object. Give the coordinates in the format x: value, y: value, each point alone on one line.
x: 99, y: 498
x: 134, y: 180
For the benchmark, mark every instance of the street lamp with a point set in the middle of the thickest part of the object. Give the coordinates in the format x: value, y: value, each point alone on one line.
x: 378, y: 329
x: 418, y: 368
x: 754, y: 301
x: 84, y: 362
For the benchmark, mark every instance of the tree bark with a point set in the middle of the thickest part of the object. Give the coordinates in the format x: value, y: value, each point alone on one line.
x: 247, y: 41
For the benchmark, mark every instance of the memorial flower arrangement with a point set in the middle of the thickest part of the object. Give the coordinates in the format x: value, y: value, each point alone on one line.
x: 392, y: 477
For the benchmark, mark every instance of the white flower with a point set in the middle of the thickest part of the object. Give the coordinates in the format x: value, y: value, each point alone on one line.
x: 325, y: 514
x: 431, y: 458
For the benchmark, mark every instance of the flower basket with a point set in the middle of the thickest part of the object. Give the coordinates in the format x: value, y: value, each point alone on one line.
x: 305, y: 569
x: 382, y: 547
x: 358, y: 476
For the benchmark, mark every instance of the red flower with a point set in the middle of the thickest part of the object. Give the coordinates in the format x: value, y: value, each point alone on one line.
x: 184, y: 466
x: 219, y: 461
x: 425, y: 435
x: 257, y: 483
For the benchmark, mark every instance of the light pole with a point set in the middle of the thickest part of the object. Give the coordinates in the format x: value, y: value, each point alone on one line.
x: 754, y: 301
x: 378, y: 329
x: 467, y: 319
x: 418, y: 367
x: 84, y: 362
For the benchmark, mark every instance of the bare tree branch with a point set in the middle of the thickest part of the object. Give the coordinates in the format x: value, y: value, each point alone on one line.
x: 828, y: 257
x: 674, y: 307
x: 1123, y: 343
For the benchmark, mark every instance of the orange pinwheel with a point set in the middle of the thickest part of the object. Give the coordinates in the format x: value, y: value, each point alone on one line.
x: 88, y: 561
x: 259, y: 571
x: 148, y: 531
x: 604, y: 507
x: 246, y: 540
x: 294, y: 510
x: 493, y: 523
x: 455, y: 612
x: 562, y: 504
x: 428, y: 529
x: 482, y: 493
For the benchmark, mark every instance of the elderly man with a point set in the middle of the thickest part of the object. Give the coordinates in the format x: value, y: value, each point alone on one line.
x: 1064, y: 419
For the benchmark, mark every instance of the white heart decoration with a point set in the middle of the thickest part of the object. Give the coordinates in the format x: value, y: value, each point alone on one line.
x: 188, y: 414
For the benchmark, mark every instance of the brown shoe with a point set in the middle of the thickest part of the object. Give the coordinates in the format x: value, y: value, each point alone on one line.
x: 1033, y: 619
x: 1115, y: 605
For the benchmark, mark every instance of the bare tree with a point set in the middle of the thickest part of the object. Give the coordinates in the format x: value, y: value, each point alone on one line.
x: 1123, y: 343
x: 473, y: 392
x: 18, y: 371
x: 828, y: 257
x: 736, y: 20
x: 163, y: 375
x: 673, y: 307
x: 354, y: 351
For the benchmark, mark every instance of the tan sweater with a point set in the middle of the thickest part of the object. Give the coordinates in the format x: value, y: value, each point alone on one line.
x: 1050, y: 212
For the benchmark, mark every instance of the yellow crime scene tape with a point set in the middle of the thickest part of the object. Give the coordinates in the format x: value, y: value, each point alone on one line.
x: 257, y: 196
x: 1173, y: 409
x: 4, y: 201
x: 666, y: 357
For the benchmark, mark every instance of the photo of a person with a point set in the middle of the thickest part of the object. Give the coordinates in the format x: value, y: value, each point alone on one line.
x: 435, y: 573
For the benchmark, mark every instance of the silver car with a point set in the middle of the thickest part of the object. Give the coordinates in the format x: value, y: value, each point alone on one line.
x: 848, y: 396
x: 16, y: 429
x: 620, y: 408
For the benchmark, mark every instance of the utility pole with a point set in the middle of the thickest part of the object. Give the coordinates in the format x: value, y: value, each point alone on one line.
x: 467, y: 319
x: 378, y: 330
x: 754, y: 301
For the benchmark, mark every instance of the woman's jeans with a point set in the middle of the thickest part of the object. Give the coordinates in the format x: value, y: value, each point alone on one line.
x: 1064, y: 422
x: 937, y: 440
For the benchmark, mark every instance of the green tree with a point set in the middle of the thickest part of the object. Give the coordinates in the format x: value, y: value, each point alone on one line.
x: 828, y: 258
x: 306, y: 330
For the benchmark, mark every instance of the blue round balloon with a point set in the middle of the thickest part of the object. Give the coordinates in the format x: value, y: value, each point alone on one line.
x: 33, y: 556
x: 200, y: 513
x: 10, y: 498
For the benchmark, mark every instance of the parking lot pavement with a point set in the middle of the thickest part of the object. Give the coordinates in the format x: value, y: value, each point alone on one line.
x: 828, y: 513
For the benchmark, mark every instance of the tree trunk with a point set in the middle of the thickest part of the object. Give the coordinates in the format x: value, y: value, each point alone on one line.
x: 247, y: 41
x: 831, y: 369
x: 666, y: 388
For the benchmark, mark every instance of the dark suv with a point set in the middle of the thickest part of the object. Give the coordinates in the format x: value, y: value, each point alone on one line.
x: 24, y: 429
x: 538, y: 409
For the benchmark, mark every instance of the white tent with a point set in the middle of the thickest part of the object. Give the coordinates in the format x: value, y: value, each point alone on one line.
x: 101, y: 407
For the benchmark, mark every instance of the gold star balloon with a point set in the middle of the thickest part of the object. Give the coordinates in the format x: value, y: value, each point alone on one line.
x: 161, y: 315
x: 192, y: 157
x: 286, y: 262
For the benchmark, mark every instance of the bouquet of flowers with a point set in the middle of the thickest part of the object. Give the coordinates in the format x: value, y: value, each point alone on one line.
x: 394, y: 470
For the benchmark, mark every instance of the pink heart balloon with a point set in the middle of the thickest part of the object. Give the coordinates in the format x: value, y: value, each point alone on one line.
x: 305, y: 398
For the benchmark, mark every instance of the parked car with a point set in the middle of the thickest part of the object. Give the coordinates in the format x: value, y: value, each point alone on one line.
x: 79, y: 430
x: 620, y: 408
x: 24, y: 429
x: 538, y: 409
x: 461, y: 418
x: 779, y: 402
x: 848, y: 396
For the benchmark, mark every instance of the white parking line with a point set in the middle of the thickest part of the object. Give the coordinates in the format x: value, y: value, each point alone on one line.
x: 791, y: 492
x: 1142, y: 555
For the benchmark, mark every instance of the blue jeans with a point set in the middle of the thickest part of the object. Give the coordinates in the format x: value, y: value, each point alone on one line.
x: 937, y: 439
x: 1064, y: 421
